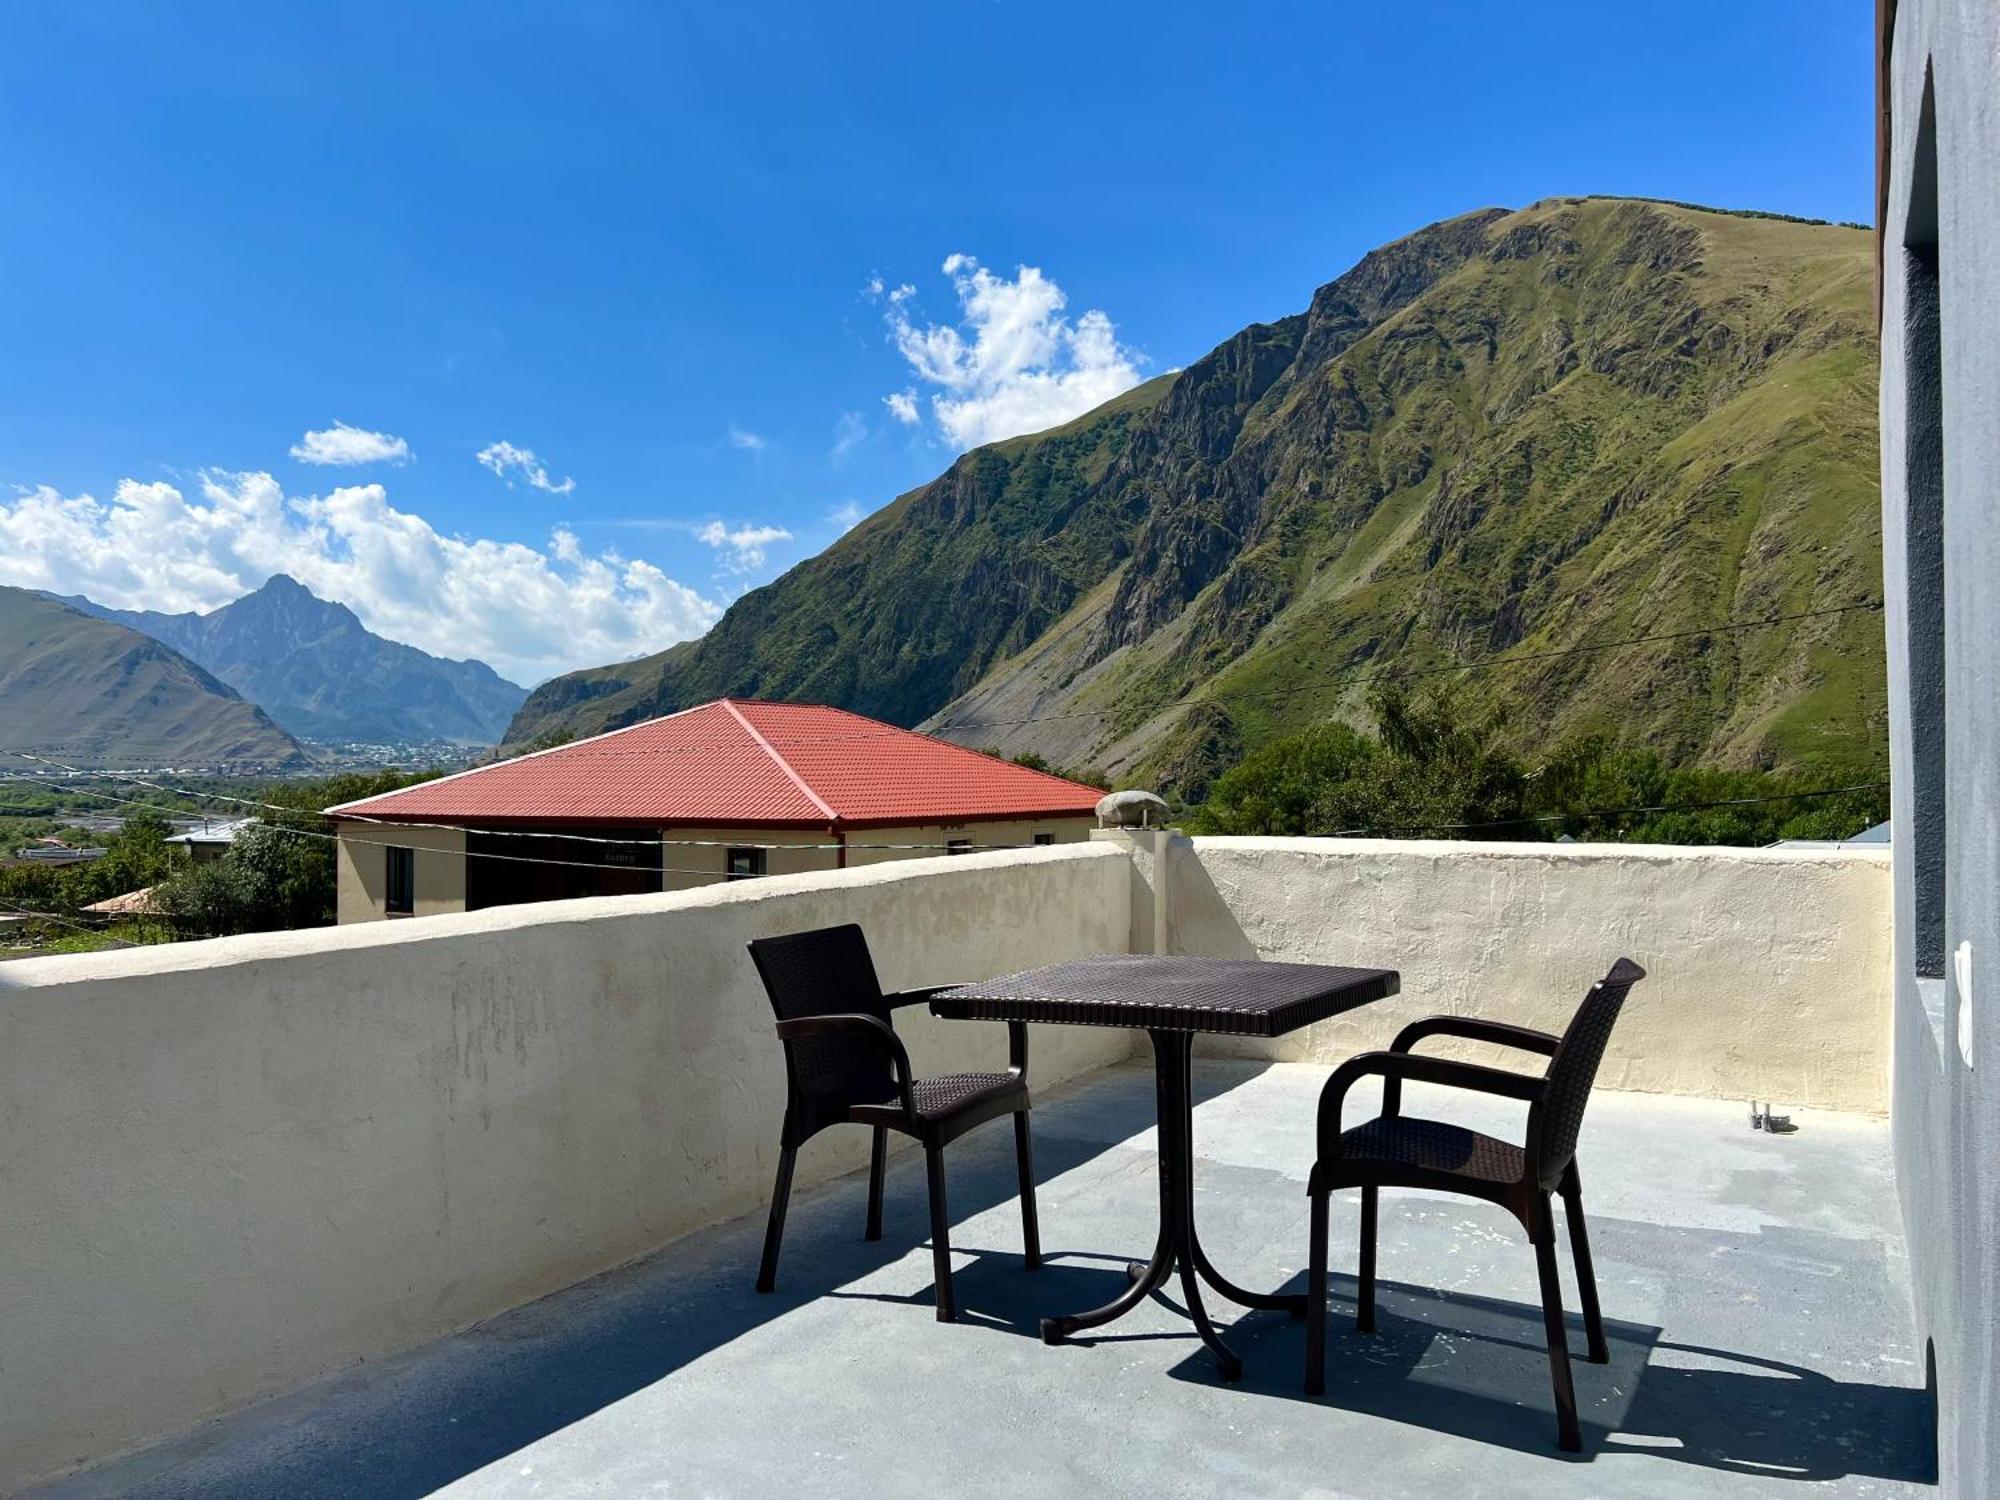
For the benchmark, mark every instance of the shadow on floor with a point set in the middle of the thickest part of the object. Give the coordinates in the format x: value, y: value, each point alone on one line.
x: 404, y: 1426
x: 1476, y: 1367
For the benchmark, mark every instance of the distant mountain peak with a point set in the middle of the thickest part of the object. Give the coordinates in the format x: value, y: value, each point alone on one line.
x: 321, y: 673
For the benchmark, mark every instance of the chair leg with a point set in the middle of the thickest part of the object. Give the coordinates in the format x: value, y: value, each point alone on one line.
x: 1552, y: 1322
x: 1364, y: 1291
x: 947, y: 1307
x: 1586, y: 1274
x: 1316, y: 1299
x: 774, y: 1227
x: 878, y: 1162
x: 1024, y: 1164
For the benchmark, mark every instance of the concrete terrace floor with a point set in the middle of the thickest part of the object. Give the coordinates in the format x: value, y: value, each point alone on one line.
x: 1753, y: 1287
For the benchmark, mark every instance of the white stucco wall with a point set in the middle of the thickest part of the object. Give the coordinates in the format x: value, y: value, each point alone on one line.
x: 1769, y: 969
x: 229, y: 1167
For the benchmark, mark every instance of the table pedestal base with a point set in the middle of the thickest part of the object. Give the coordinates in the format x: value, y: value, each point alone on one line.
x: 1178, y: 1248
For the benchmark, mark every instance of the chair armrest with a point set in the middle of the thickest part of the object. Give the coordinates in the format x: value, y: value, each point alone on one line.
x: 852, y: 1025
x: 897, y: 999
x: 1394, y: 1068
x: 1474, y: 1029
x: 1017, y: 1031
x: 1498, y: 1032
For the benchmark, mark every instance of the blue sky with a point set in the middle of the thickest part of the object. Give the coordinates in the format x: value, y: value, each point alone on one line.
x: 660, y: 250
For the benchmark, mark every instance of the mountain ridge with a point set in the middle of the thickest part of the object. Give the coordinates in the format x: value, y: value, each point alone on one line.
x: 1510, y: 433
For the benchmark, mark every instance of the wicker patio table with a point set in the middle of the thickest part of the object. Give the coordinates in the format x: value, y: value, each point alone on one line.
x: 1172, y: 1000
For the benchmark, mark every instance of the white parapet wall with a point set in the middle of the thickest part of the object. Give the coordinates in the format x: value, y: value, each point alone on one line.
x: 1769, y: 969
x: 229, y: 1167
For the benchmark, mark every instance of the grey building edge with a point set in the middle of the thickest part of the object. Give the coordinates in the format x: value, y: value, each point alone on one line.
x: 1939, y: 234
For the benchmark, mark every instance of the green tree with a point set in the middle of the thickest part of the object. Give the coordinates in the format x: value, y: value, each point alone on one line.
x: 1432, y: 768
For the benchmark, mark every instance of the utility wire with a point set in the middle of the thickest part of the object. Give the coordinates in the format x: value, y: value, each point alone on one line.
x: 332, y: 838
x: 514, y: 833
x: 8, y: 908
x: 1377, y: 831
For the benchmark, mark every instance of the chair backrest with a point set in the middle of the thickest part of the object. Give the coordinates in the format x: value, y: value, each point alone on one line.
x: 827, y: 972
x: 1557, y: 1118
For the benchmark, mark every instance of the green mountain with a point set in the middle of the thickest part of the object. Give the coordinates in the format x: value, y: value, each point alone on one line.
x: 1510, y: 435
x: 95, y: 694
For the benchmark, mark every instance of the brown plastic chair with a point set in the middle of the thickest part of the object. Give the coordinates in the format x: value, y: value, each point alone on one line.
x: 844, y: 1064
x: 1398, y: 1150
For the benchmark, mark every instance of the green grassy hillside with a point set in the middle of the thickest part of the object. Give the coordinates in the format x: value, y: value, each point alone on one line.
x: 1511, y: 435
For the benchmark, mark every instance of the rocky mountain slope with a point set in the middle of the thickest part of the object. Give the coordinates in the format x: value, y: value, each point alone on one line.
x: 1513, y: 435
x: 319, y: 672
x: 95, y: 694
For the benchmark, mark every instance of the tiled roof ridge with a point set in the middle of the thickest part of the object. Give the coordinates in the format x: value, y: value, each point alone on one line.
x: 782, y: 764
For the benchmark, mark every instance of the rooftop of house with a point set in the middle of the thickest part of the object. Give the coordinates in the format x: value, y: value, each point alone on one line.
x: 213, y: 832
x: 137, y: 903
x: 741, y: 763
x: 1753, y: 1290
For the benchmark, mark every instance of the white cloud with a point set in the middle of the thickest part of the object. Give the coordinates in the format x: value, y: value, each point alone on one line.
x: 503, y: 458
x: 753, y: 442
x: 845, y: 516
x: 849, y: 433
x: 528, y: 611
x: 742, y: 548
x: 1013, y: 363
x: 341, y: 444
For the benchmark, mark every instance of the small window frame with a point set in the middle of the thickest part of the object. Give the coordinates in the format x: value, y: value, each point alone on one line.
x: 746, y: 863
x: 399, y: 881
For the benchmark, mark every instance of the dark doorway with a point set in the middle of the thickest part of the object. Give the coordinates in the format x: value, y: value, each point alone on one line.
x: 508, y: 869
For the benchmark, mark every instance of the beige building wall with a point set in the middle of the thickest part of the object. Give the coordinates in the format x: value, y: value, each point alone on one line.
x: 692, y: 867
x: 441, y: 861
x: 689, y: 867
x: 361, y: 867
x: 1064, y: 830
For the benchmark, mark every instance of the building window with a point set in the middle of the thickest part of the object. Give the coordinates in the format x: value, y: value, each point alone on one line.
x: 746, y: 864
x: 1924, y: 549
x: 958, y: 846
x: 1044, y: 838
x: 401, y: 895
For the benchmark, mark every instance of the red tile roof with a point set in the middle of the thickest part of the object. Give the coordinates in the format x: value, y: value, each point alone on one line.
x: 740, y: 763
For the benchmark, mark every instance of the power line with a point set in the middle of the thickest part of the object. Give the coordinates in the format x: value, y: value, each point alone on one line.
x: 315, y: 833
x: 1375, y: 831
x: 520, y: 833
x: 49, y: 916
x: 574, y: 864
